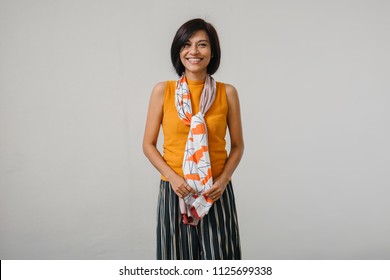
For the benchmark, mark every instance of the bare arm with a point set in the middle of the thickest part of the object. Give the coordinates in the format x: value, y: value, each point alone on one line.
x: 237, y: 144
x: 152, y: 129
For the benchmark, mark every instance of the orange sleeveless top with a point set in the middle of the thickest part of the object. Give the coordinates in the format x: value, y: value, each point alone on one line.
x: 176, y: 132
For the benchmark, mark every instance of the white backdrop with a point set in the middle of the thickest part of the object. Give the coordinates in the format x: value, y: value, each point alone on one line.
x: 75, y: 80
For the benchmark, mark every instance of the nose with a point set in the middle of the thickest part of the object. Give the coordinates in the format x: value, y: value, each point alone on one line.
x: 194, y: 49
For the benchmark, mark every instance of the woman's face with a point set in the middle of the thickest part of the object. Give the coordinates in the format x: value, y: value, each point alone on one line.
x: 196, y: 53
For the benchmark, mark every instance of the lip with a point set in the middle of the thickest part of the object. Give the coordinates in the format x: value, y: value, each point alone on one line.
x: 194, y: 60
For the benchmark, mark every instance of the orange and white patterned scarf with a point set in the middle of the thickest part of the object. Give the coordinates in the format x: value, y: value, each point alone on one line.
x: 196, y: 161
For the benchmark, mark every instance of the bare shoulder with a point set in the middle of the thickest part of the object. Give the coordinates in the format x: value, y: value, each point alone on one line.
x: 159, y: 88
x: 231, y: 93
x: 157, y: 95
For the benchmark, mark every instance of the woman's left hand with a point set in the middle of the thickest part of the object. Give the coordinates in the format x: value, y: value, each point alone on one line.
x: 216, y: 191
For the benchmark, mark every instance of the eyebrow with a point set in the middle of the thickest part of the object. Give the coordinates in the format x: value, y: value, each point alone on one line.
x: 200, y: 41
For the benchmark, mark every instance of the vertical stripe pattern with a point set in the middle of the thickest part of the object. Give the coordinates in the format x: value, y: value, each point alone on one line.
x: 216, y: 237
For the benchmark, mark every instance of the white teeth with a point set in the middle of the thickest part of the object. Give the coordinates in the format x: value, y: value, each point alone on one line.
x: 194, y: 59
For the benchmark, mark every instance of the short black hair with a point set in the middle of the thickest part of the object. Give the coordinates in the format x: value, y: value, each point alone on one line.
x: 181, y: 38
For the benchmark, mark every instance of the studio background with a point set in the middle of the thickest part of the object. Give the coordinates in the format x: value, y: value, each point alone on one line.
x: 75, y: 81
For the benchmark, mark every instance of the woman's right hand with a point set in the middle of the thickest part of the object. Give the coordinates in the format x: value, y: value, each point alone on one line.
x: 152, y: 128
x: 180, y: 186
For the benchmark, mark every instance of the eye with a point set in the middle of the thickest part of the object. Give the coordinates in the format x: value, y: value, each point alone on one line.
x: 203, y: 45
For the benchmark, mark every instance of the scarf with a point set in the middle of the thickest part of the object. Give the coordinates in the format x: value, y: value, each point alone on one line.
x: 196, y: 162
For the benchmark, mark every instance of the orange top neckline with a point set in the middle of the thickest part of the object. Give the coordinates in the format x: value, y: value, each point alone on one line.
x: 195, y: 82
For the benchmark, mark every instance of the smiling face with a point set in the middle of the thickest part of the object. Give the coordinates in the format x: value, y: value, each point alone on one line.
x: 196, y: 55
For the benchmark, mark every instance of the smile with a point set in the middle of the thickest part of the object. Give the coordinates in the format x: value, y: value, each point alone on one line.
x: 194, y: 60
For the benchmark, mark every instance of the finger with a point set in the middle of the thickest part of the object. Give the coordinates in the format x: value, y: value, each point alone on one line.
x: 185, y: 192
x: 208, y: 192
x: 212, y: 195
x: 189, y: 189
x: 211, y: 190
x: 181, y: 193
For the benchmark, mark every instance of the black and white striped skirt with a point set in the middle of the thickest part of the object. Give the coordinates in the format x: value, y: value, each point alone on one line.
x: 216, y: 237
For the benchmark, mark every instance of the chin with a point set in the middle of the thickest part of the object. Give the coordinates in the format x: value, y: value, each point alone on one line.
x: 193, y: 69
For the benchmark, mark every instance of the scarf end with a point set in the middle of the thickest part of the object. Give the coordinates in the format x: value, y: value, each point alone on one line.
x: 195, y: 210
x: 192, y: 219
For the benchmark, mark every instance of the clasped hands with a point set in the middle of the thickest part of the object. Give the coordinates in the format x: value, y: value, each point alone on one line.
x: 182, y: 189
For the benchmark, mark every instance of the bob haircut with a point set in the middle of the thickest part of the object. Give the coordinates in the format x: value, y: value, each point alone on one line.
x: 181, y: 38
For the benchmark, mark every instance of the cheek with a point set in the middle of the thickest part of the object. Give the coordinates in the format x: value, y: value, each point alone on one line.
x: 208, y: 60
x: 208, y: 54
x: 182, y: 59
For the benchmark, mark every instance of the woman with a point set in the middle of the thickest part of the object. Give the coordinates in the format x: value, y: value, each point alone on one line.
x: 196, y: 209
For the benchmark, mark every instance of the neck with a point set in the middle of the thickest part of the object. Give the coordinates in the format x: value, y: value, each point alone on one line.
x: 196, y: 76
